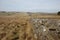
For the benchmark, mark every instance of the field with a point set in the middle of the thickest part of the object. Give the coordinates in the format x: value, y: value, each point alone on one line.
x: 29, y: 26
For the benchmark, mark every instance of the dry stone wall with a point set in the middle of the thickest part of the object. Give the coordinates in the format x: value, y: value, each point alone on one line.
x: 42, y: 28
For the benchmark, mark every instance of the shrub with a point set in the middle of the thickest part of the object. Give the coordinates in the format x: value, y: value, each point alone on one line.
x: 58, y: 13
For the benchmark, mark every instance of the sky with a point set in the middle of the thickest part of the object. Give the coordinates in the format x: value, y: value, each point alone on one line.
x: 30, y: 5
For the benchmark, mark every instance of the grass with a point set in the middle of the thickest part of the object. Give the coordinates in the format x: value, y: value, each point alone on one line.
x: 18, y: 26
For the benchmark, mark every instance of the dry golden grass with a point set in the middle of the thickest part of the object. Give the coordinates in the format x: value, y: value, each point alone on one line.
x: 19, y: 27
x: 14, y: 27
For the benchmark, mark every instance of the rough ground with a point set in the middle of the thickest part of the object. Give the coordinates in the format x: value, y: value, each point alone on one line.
x: 29, y: 27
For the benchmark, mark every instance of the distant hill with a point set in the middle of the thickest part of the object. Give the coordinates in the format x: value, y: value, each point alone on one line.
x: 38, y: 13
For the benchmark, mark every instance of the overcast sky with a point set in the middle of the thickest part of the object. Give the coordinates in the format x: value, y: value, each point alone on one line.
x: 30, y: 5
